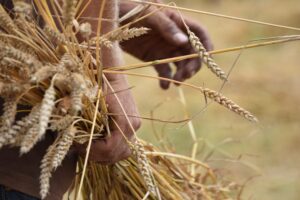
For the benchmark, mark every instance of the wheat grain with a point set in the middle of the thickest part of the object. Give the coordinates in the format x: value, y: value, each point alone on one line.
x: 106, y: 42
x: 219, y: 98
x: 205, y: 56
x: 91, y: 93
x: 69, y: 11
x: 7, y: 63
x: 85, y: 30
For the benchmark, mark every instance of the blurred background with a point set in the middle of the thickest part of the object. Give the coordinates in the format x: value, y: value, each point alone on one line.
x: 265, y: 81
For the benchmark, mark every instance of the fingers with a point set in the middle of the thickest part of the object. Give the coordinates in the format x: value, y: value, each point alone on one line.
x: 168, y: 29
x: 111, y: 149
x: 202, y: 33
x: 115, y: 148
x: 164, y: 71
x: 197, y: 28
x: 187, y: 69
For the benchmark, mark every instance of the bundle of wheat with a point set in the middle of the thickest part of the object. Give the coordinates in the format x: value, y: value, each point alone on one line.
x: 44, y: 66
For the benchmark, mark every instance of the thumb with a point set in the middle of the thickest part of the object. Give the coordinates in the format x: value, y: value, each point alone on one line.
x: 169, y: 30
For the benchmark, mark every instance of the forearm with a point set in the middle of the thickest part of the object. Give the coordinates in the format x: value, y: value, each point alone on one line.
x: 110, y: 56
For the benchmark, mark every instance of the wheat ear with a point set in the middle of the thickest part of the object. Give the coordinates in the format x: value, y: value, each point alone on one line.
x: 69, y: 11
x: 37, y: 131
x: 47, y: 108
x: 43, y: 74
x: 6, y: 22
x: 205, y: 56
x: 219, y: 98
x: 79, y: 86
x: 128, y: 34
x: 122, y: 35
x: 62, y: 124
x: 22, y: 9
x: 144, y: 167
x: 54, y: 35
x: 30, y: 139
x: 46, y: 171
x: 18, y: 130
x: 63, y: 146
x: 32, y: 62
x: 8, y: 117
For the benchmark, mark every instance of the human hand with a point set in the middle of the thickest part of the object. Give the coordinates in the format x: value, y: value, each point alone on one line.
x: 115, y: 148
x: 167, y: 38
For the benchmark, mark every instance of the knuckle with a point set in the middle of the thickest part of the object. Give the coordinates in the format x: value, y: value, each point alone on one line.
x: 126, y: 154
x: 109, y: 155
x: 136, y: 123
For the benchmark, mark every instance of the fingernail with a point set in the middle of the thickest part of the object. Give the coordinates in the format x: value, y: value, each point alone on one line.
x: 181, y: 38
